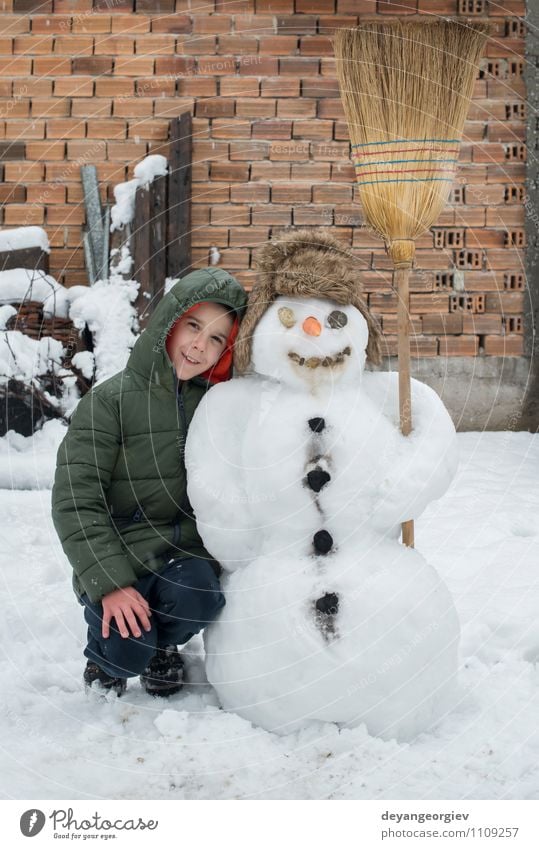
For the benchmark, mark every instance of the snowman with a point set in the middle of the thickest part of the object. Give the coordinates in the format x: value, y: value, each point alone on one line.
x: 300, y: 478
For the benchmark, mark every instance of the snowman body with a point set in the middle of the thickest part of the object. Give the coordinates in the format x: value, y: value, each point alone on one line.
x: 299, y: 482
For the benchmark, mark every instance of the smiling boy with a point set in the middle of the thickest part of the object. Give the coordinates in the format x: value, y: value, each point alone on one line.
x: 119, y: 501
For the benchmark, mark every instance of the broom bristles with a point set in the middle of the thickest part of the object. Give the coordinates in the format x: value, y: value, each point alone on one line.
x: 406, y: 89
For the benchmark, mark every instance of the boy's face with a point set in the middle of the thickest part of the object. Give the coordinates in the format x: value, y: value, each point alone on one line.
x: 198, y: 339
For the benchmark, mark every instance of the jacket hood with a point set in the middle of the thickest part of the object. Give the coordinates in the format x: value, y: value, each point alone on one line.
x: 149, y: 355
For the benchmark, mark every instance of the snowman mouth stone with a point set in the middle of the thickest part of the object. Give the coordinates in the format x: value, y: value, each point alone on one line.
x: 326, y: 362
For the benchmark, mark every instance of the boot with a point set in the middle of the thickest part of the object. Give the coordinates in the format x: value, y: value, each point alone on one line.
x: 94, y: 673
x: 164, y: 674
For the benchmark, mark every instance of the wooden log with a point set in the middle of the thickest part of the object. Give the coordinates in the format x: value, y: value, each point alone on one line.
x: 179, y: 196
x: 158, y: 240
x: 142, y: 252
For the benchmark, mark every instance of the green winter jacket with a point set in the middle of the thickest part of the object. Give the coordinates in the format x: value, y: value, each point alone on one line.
x: 119, y: 501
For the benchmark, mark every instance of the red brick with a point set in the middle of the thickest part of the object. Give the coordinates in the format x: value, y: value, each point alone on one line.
x: 211, y: 23
x: 248, y: 236
x: 132, y: 107
x: 33, y: 45
x: 46, y: 193
x: 198, y: 88
x: 313, y: 216
x: 22, y: 129
x: 289, y: 151
x: 318, y: 87
x: 114, y: 88
x: 261, y: 66
x: 13, y: 24
x: 459, y: 346
x: 316, y: 45
x: 48, y: 24
x: 16, y: 66
x: 230, y: 214
x: 138, y: 66
x: 255, y: 108
x: 272, y: 129
x: 214, y: 108
x: 442, y: 323
x: 23, y: 172
x: 239, y: 87
x: 210, y: 236
x: 217, y: 65
x: 270, y: 171
x: 196, y: 46
x: 24, y: 215
x: 250, y: 193
x: 315, y: 130
x: 14, y: 108
x: 227, y: 130
x: 263, y: 24
x: 505, y: 302
x: 50, y: 108
x: 275, y: 6
x: 156, y: 86
x: 237, y: 172
x: 278, y: 45
x: 74, y: 87
x: 51, y: 66
x: 332, y: 194
x: 152, y: 44
x: 481, y: 324
x: 290, y: 194
x: 296, y: 108
x: 312, y: 172
x: 41, y: 150
x: 174, y: 24
x: 279, y: 87
x: 236, y: 44
x: 511, y: 345
x: 119, y: 45
x: 299, y: 66
x: 296, y: 24
x: 66, y: 129
x: 248, y: 150
x: 135, y: 24
x: 148, y: 129
x: 96, y: 23
x: 173, y: 106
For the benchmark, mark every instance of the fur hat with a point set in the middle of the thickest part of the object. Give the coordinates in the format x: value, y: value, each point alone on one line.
x: 309, y: 263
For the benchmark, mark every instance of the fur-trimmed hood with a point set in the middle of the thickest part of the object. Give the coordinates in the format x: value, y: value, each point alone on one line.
x: 310, y: 263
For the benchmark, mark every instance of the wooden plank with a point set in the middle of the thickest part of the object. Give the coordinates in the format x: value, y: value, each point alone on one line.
x: 142, y: 252
x: 158, y: 230
x: 179, y: 196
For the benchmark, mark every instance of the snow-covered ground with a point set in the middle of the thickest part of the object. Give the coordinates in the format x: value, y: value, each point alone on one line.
x: 57, y: 742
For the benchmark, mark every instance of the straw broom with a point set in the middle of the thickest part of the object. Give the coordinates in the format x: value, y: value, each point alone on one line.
x: 406, y: 88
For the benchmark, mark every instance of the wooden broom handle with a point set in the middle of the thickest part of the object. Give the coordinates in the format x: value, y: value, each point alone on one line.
x: 402, y: 252
x: 402, y: 276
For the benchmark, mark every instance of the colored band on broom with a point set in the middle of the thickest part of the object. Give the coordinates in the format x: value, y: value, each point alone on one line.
x: 450, y: 164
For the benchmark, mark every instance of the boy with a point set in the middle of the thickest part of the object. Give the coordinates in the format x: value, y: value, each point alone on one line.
x: 119, y: 501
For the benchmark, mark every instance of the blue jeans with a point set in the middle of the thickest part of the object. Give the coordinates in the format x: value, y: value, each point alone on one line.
x: 184, y: 598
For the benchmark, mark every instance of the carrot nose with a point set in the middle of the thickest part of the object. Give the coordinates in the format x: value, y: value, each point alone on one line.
x: 312, y: 326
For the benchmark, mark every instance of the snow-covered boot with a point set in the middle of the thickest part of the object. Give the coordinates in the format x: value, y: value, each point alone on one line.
x: 164, y: 674
x: 94, y: 673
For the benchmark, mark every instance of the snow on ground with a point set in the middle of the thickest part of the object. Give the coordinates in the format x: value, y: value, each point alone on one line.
x: 57, y: 742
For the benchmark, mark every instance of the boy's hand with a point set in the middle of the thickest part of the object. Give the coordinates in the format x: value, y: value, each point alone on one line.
x: 124, y: 605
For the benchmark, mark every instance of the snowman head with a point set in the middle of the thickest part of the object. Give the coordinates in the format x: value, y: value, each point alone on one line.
x: 308, y: 272
x: 310, y: 342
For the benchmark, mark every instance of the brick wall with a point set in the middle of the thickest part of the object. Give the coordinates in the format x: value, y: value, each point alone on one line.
x: 89, y: 81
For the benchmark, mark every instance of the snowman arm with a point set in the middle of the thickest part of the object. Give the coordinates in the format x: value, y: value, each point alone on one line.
x: 214, y: 474
x: 424, y: 463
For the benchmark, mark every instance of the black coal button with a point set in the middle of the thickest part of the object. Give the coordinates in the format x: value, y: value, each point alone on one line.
x: 328, y: 604
x: 317, y: 424
x: 318, y: 478
x: 322, y: 541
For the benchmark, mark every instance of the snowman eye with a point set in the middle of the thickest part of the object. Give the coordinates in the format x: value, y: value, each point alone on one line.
x: 286, y: 317
x: 336, y: 319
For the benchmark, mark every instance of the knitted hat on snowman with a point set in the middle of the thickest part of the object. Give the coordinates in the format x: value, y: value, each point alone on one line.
x: 304, y: 263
